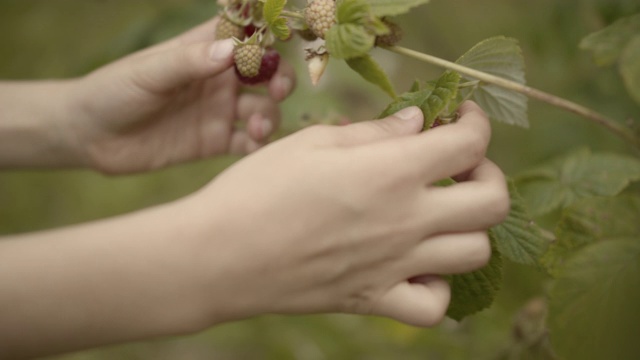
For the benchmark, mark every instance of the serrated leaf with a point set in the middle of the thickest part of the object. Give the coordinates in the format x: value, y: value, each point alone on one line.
x: 441, y: 98
x: 382, y: 8
x: 346, y: 41
x: 499, y: 56
x: 280, y: 29
x: 372, y: 72
x: 593, y: 311
x: 593, y: 220
x: 415, y: 98
x: 272, y: 9
x: 476, y: 291
x: 519, y: 238
x: 630, y: 67
x: 607, y: 44
x: 577, y: 175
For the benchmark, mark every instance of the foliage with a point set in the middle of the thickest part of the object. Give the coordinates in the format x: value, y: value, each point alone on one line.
x: 573, y: 218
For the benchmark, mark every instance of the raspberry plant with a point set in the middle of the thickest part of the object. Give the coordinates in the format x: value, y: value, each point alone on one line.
x: 587, y: 189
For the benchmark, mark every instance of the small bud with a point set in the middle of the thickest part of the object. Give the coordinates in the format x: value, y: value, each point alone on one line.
x: 317, y: 63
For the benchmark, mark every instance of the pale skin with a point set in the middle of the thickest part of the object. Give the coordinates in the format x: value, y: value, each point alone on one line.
x: 330, y: 219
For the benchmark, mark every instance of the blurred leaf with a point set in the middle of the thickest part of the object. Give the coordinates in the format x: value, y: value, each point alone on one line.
x: 593, y: 220
x: 519, y: 238
x: 630, y: 67
x: 346, y: 41
x: 608, y: 43
x: 272, y: 10
x: 499, y: 56
x: 577, y: 175
x: 594, y: 303
x: 382, y: 8
x: 372, y: 72
x: 413, y: 98
x: 475, y: 291
x: 352, y: 11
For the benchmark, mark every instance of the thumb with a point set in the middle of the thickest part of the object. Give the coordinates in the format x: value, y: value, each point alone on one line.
x: 405, y: 122
x: 420, y: 302
x: 166, y: 70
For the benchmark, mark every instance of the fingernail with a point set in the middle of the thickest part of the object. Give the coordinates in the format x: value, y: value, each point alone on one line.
x: 221, y: 50
x: 267, y: 128
x: 409, y: 113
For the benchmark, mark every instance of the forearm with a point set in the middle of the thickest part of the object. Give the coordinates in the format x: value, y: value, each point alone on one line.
x: 112, y: 281
x: 35, y: 125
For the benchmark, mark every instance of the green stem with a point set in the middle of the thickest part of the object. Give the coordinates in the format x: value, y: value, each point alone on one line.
x: 610, y: 124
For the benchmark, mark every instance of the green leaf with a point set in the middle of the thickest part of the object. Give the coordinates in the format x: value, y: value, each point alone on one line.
x: 519, y: 238
x: 441, y: 101
x: 577, y: 175
x: 593, y: 311
x: 415, y: 98
x: 346, y: 41
x: 476, y: 291
x: 630, y: 67
x: 499, y: 56
x: 372, y: 72
x: 382, y: 8
x: 272, y: 9
x: 593, y: 220
x: 353, y: 11
x: 608, y: 43
x: 280, y: 29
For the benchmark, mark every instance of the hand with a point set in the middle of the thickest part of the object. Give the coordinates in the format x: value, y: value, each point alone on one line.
x: 346, y: 219
x: 174, y: 102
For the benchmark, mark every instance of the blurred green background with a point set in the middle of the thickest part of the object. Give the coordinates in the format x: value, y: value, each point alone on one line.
x: 67, y: 38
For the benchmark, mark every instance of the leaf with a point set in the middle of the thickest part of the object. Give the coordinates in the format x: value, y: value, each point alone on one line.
x: 405, y: 100
x: 630, y: 67
x: 352, y: 11
x: 476, y: 291
x: 280, y: 29
x: 346, y: 41
x: 519, y: 238
x: 382, y: 8
x: 272, y: 9
x: 608, y: 43
x: 499, y: 56
x: 372, y: 72
x: 440, y: 99
x: 577, y: 175
x: 594, y: 303
x: 593, y: 220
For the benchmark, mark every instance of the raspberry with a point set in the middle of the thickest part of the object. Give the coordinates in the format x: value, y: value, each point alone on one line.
x: 393, y: 37
x: 267, y: 68
x: 227, y: 29
x: 320, y: 15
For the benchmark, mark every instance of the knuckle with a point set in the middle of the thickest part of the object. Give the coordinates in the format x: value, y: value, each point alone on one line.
x: 476, y: 145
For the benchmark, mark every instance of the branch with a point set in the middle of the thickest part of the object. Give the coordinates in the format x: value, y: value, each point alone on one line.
x: 610, y: 124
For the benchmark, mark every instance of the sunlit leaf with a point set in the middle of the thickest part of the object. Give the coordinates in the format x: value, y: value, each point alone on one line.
x: 608, y: 43
x: 476, y: 291
x: 346, y: 41
x: 519, y: 238
x: 372, y: 72
x: 577, y: 175
x: 499, y: 56
x: 594, y: 303
x: 382, y: 8
x: 593, y: 220
x: 272, y: 10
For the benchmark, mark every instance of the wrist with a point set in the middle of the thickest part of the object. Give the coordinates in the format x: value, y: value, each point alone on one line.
x: 36, y: 125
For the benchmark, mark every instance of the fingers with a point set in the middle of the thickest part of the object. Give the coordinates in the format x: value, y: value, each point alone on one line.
x: 477, y: 204
x: 421, y: 302
x: 444, y: 254
x: 405, y: 122
x: 283, y: 82
x: 261, y: 113
x: 174, y: 67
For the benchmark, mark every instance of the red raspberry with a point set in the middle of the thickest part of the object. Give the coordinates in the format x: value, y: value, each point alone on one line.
x: 268, y: 67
